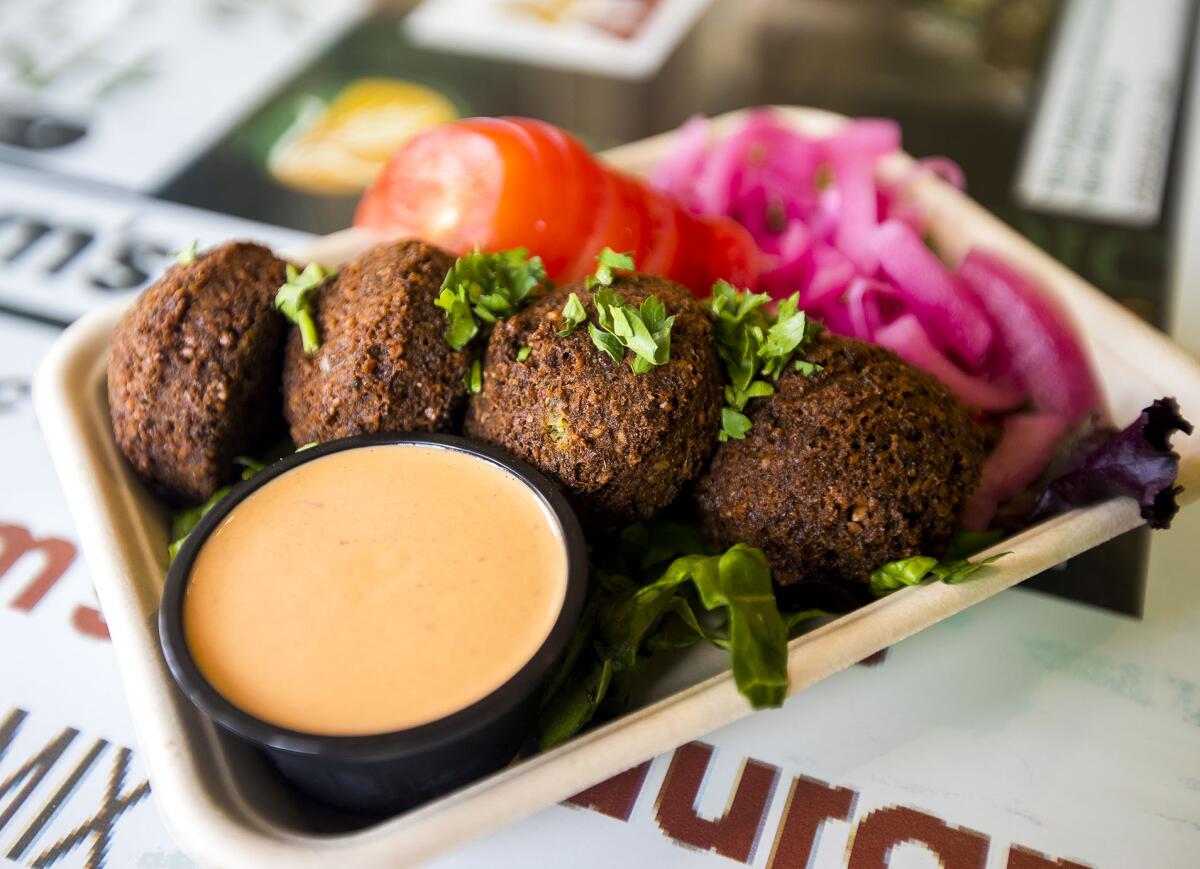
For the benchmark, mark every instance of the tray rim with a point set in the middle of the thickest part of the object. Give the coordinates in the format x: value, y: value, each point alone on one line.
x: 104, y: 507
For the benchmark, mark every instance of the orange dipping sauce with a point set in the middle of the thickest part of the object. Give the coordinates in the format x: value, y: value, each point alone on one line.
x: 375, y: 589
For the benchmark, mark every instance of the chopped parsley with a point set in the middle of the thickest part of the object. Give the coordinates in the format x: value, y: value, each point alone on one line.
x: 734, y: 424
x: 608, y: 260
x: 756, y: 347
x: 523, y: 353
x: 185, y: 520
x: 296, y: 298
x: 482, y: 288
x: 185, y: 256
x: 573, y: 315
x: 473, y: 379
x: 643, y: 331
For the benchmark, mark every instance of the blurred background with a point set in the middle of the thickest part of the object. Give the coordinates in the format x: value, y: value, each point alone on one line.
x: 280, y: 111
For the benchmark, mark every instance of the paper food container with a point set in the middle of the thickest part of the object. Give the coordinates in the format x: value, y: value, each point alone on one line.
x: 226, y: 807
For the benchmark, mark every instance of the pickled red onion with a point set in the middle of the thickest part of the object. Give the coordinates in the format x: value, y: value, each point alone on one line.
x: 922, y: 279
x: 908, y: 338
x: 1027, y: 443
x: 853, y: 249
x: 1046, y: 356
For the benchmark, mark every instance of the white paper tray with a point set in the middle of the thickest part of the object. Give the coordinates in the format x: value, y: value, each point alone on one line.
x: 221, y: 802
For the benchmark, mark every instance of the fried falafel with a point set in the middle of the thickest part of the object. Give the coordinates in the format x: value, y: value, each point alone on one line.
x: 194, y: 370
x: 863, y: 462
x: 622, y: 445
x: 383, y: 364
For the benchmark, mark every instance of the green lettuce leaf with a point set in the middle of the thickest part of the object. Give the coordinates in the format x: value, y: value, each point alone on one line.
x: 913, y: 571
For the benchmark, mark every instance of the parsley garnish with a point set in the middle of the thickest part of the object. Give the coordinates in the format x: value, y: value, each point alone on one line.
x: 609, y: 259
x: 606, y: 342
x: 573, y: 315
x: 185, y: 520
x: 185, y: 256
x: 734, y: 424
x: 481, y: 288
x: 473, y: 379
x: 523, y: 353
x: 644, y: 331
x: 756, y: 348
x: 295, y: 299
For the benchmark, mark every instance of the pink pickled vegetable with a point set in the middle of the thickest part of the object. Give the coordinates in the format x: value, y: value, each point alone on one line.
x: 1046, y: 356
x: 864, y: 308
x: 854, y: 249
x: 859, y: 214
x: 922, y: 278
x: 831, y: 273
x: 684, y: 164
x: 1027, y: 443
x: 853, y: 153
x: 908, y: 338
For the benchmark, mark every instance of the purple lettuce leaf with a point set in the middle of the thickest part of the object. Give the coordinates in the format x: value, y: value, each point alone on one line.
x: 1137, y: 461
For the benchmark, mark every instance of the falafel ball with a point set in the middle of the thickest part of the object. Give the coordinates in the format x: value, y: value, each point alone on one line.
x: 193, y: 373
x: 383, y: 364
x: 866, y: 461
x: 622, y: 445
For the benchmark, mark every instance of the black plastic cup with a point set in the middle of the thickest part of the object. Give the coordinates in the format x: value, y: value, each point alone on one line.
x: 384, y: 773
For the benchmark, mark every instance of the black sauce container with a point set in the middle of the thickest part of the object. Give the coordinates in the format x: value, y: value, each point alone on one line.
x: 385, y: 773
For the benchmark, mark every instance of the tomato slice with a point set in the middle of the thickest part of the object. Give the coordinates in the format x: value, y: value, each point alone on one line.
x: 498, y: 183
x: 621, y: 223
x: 688, y: 266
x: 373, y: 209
x: 606, y: 205
x: 663, y: 233
x: 575, y: 177
x: 473, y: 183
x: 730, y: 252
x: 632, y: 233
x: 527, y: 198
x: 444, y: 186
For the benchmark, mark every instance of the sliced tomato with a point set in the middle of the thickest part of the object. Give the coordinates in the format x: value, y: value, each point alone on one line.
x: 527, y: 199
x: 373, y: 210
x: 728, y: 252
x: 606, y: 204
x: 498, y: 183
x: 474, y: 183
x: 444, y: 186
x: 663, y: 234
x: 576, y: 179
x: 590, y: 175
x: 621, y: 229
x: 633, y: 230
x: 688, y: 266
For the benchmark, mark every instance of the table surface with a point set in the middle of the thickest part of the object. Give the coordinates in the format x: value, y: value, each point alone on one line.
x: 1028, y: 730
